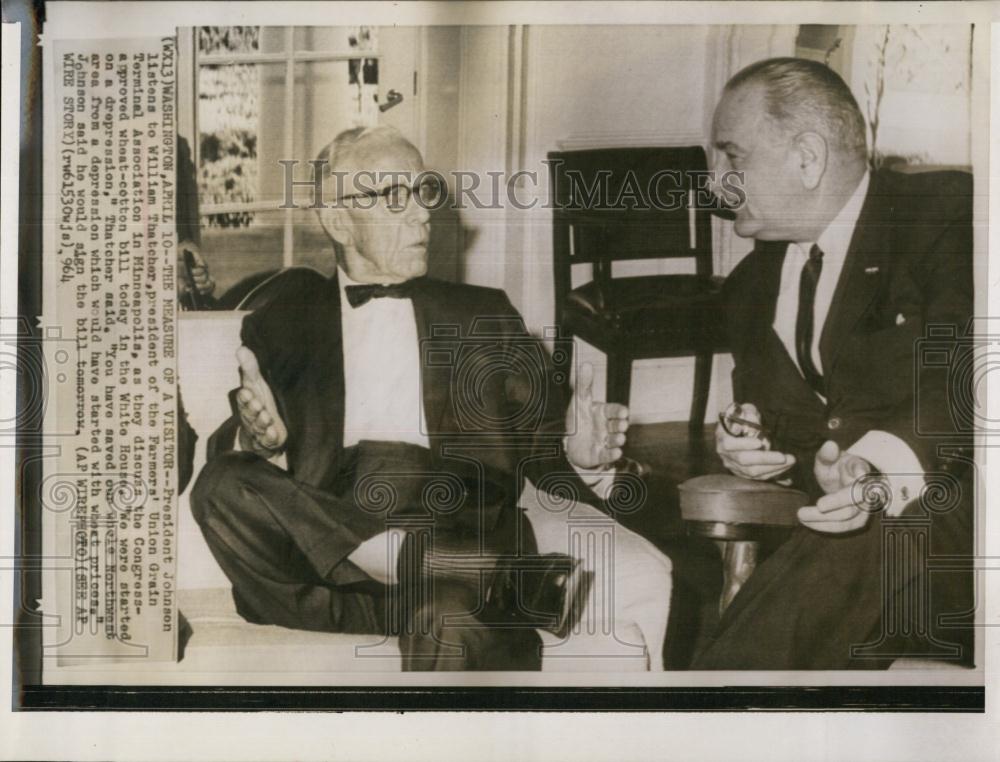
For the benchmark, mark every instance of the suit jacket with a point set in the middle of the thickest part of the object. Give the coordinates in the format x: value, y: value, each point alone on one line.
x: 490, y: 392
x: 909, y: 266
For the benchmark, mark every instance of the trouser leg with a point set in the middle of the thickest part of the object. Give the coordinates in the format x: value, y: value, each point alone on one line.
x: 283, y: 546
x: 855, y: 601
x: 802, y: 608
x: 643, y: 583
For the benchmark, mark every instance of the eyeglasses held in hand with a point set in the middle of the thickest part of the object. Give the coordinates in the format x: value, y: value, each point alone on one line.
x: 736, y: 424
x: 397, y: 196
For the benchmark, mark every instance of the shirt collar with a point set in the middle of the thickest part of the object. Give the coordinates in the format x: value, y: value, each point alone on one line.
x: 343, y: 281
x: 836, y: 239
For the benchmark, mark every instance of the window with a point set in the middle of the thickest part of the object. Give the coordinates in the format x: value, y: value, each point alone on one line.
x: 258, y: 95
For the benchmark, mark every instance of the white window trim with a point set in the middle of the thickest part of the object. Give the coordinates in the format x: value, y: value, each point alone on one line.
x: 289, y: 57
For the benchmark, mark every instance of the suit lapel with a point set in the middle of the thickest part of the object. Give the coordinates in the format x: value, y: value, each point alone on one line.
x: 769, y: 288
x: 435, y: 371
x: 864, y: 267
x: 322, y: 386
x: 335, y: 372
x: 760, y: 305
x: 762, y: 296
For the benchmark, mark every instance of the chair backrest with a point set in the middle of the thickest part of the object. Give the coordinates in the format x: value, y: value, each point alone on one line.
x: 615, y: 204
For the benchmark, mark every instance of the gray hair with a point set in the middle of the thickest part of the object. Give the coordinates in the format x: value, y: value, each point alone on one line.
x: 349, y: 142
x: 806, y: 96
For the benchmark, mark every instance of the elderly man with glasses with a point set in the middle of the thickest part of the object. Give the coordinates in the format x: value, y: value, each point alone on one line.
x: 369, y: 479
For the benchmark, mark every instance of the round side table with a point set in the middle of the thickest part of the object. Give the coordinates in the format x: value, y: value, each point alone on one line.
x: 736, y: 512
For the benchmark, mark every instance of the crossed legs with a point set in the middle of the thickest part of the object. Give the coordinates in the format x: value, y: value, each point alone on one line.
x: 285, y: 547
x: 632, y: 579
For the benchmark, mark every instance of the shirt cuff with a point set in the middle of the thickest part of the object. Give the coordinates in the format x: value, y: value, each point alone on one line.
x: 898, y: 463
x: 599, y: 480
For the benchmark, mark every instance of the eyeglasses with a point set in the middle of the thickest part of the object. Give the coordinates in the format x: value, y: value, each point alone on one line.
x: 397, y: 196
x: 736, y: 424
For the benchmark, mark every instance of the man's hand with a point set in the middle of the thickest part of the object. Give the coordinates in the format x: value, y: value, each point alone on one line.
x: 203, y: 282
x: 835, y: 469
x: 838, y: 473
x: 596, y: 429
x: 261, y: 429
x: 750, y: 457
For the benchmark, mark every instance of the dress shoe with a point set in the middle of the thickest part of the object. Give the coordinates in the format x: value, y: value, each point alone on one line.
x: 548, y: 592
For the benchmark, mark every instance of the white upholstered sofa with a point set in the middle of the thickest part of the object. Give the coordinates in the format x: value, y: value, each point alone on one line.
x: 221, y: 643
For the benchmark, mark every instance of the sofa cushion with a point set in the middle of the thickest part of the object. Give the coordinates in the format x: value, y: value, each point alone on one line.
x: 219, y: 640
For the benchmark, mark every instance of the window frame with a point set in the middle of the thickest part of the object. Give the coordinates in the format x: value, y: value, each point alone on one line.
x: 290, y: 56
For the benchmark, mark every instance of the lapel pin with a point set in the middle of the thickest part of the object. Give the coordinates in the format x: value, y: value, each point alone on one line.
x: 900, y: 319
x: 871, y: 270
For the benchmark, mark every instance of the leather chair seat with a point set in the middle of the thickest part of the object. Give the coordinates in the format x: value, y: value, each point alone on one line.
x: 681, y: 305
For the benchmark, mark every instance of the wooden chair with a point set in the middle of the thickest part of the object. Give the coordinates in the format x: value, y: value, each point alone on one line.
x: 621, y: 204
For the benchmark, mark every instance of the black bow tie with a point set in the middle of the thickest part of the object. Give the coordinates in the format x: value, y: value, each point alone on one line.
x: 358, y: 295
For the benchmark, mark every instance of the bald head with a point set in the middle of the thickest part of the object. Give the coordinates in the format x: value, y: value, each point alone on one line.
x: 793, y: 132
x: 361, y: 148
x: 799, y: 95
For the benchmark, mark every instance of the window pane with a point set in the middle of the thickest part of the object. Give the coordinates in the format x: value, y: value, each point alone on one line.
x: 241, y: 125
x: 229, y: 129
x: 272, y: 39
x: 234, y: 255
x: 216, y: 40
x: 241, y: 121
x: 332, y: 96
x: 273, y: 119
x: 336, y: 38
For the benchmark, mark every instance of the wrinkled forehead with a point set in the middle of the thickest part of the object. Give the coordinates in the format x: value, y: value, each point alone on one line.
x: 378, y: 162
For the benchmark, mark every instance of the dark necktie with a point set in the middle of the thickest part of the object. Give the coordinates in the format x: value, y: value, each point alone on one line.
x: 358, y: 295
x: 804, y: 322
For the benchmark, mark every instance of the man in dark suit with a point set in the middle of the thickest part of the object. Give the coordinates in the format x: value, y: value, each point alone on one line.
x: 369, y: 480
x: 849, y: 269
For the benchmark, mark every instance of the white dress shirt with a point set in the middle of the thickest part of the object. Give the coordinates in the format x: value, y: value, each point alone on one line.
x: 382, y: 382
x: 887, y: 452
x: 834, y: 242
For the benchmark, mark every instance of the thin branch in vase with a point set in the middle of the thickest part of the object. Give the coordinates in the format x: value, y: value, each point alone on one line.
x: 874, y: 160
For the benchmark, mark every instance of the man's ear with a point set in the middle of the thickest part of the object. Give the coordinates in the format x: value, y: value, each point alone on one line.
x: 813, y: 153
x: 337, y: 224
